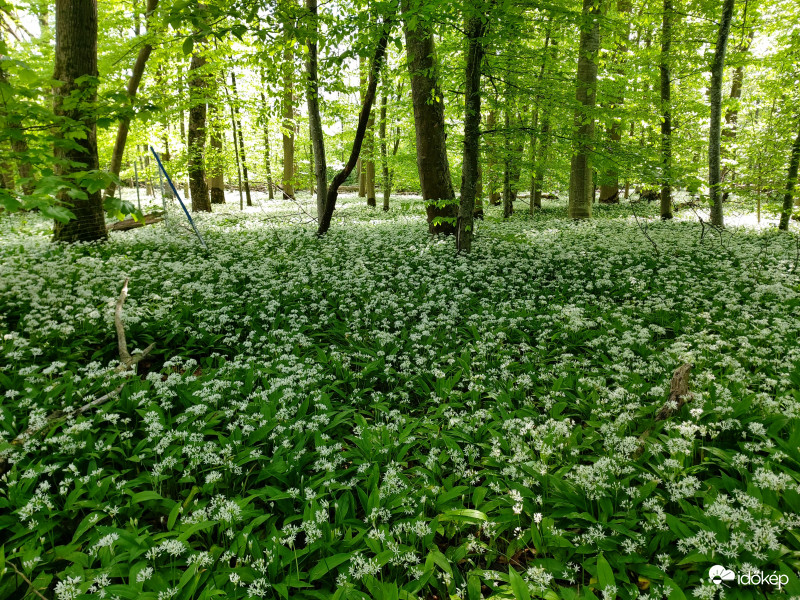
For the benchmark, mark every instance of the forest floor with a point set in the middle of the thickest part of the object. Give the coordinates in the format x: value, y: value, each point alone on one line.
x: 371, y: 415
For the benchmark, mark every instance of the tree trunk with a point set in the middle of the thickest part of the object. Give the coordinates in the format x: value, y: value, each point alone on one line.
x: 426, y: 96
x: 580, y: 180
x: 791, y: 181
x: 544, y: 139
x: 666, y: 113
x: 363, y: 118
x: 288, y: 118
x: 133, y: 87
x: 267, y: 160
x: 475, y: 27
x: 76, y: 70
x: 478, y: 210
x: 197, y: 135
x: 362, y: 164
x: 732, y: 116
x: 216, y: 170
x: 314, y: 119
x: 491, y: 160
x: 508, y: 201
x: 715, y: 96
x: 242, y: 155
x: 384, y: 154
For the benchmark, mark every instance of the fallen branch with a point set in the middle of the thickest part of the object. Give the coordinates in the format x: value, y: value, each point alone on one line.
x: 26, y: 580
x: 127, y: 361
x: 128, y: 224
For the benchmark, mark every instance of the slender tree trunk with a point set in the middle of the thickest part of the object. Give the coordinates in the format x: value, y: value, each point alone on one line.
x: 363, y: 118
x: 544, y: 138
x: 791, y: 181
x: 216, y: 171
x: 197, y: 134
x: 19, y: 146
x: 508, y: 200
x: 478, y: 211
x: 715, y: 96
x: 581, y: 186
x: 133, y: 87
x: 534, y: 142
x: 362, y: 160
x: 370, y: 161
x: 242, y: 155
x: 384, y: 154
x: 732, y: 117
x: 76, y: 70
x: 314, y: 119
x: 666, y: 112
x: 288, y: 118
x: 426, y: 96
x: 267, y: 160
x: 491, y: 160
x: 475, y: 27
x: 236, y: 157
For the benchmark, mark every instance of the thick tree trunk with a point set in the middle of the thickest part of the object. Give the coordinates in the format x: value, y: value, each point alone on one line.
x: 475, y: 27
x: 384, y: 153
x: 76, y: 70
x: 242, y: 155
x: 581, y: 186
x: 426, y: 96
x: 314, y: 119
x: 197, y: 135
x: 715, y: 97
x: 288, y: 119
x: 133, y: 87
x: 666, y: 113
x: 791, y: 182
x: 363, y: 118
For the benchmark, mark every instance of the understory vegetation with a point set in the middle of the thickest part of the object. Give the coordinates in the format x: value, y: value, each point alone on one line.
x: 371, y: 415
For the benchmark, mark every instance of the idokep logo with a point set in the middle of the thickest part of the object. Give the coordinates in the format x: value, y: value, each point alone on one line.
x: 719, y: 575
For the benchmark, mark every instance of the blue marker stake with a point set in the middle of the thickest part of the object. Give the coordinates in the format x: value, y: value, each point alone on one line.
x: 177, y: 195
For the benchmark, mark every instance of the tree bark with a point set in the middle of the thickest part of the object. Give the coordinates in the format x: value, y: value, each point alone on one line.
x: 791, y: 181
x: 666, y: 112
x: 544, y: 139
x: 267, y: 160
x: 581, y: 186
x: 426, y: 96
x: 715, y: 96
x: 475, y: 27
x: 491, y: 160
x: 288, y: 118
x: 732, y: 116
x: 243, y: 156
x: 363, y: 118
x: 197, y: 134
x: 370, y: 161
x: 314, y: 119
x: 384, y: 153
x: 133, y: 87
x: 508, y: 201
x: 216, y: 171
x: 76, y: 69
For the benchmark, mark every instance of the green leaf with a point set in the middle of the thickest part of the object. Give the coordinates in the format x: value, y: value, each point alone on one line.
x: 327, y: 564
x: 605, y: 575
x: 188, y: 45
x: 518, y: 585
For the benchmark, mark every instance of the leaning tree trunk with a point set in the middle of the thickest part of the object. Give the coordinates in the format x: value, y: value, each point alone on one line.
x: 581, y: 186
x: 133, y: 87
x: 314, y: 120
x: 666, y: 113
x: 76, y: 70
x: 476, y: 29
x: 426, y: 96
x: 288, y: 119
x: 363, y: 118
x: 715, y: 96
x: 791, y: 181
x: 197, y: 135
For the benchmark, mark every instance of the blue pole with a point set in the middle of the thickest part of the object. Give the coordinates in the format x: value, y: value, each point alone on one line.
x: 178, y: 196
